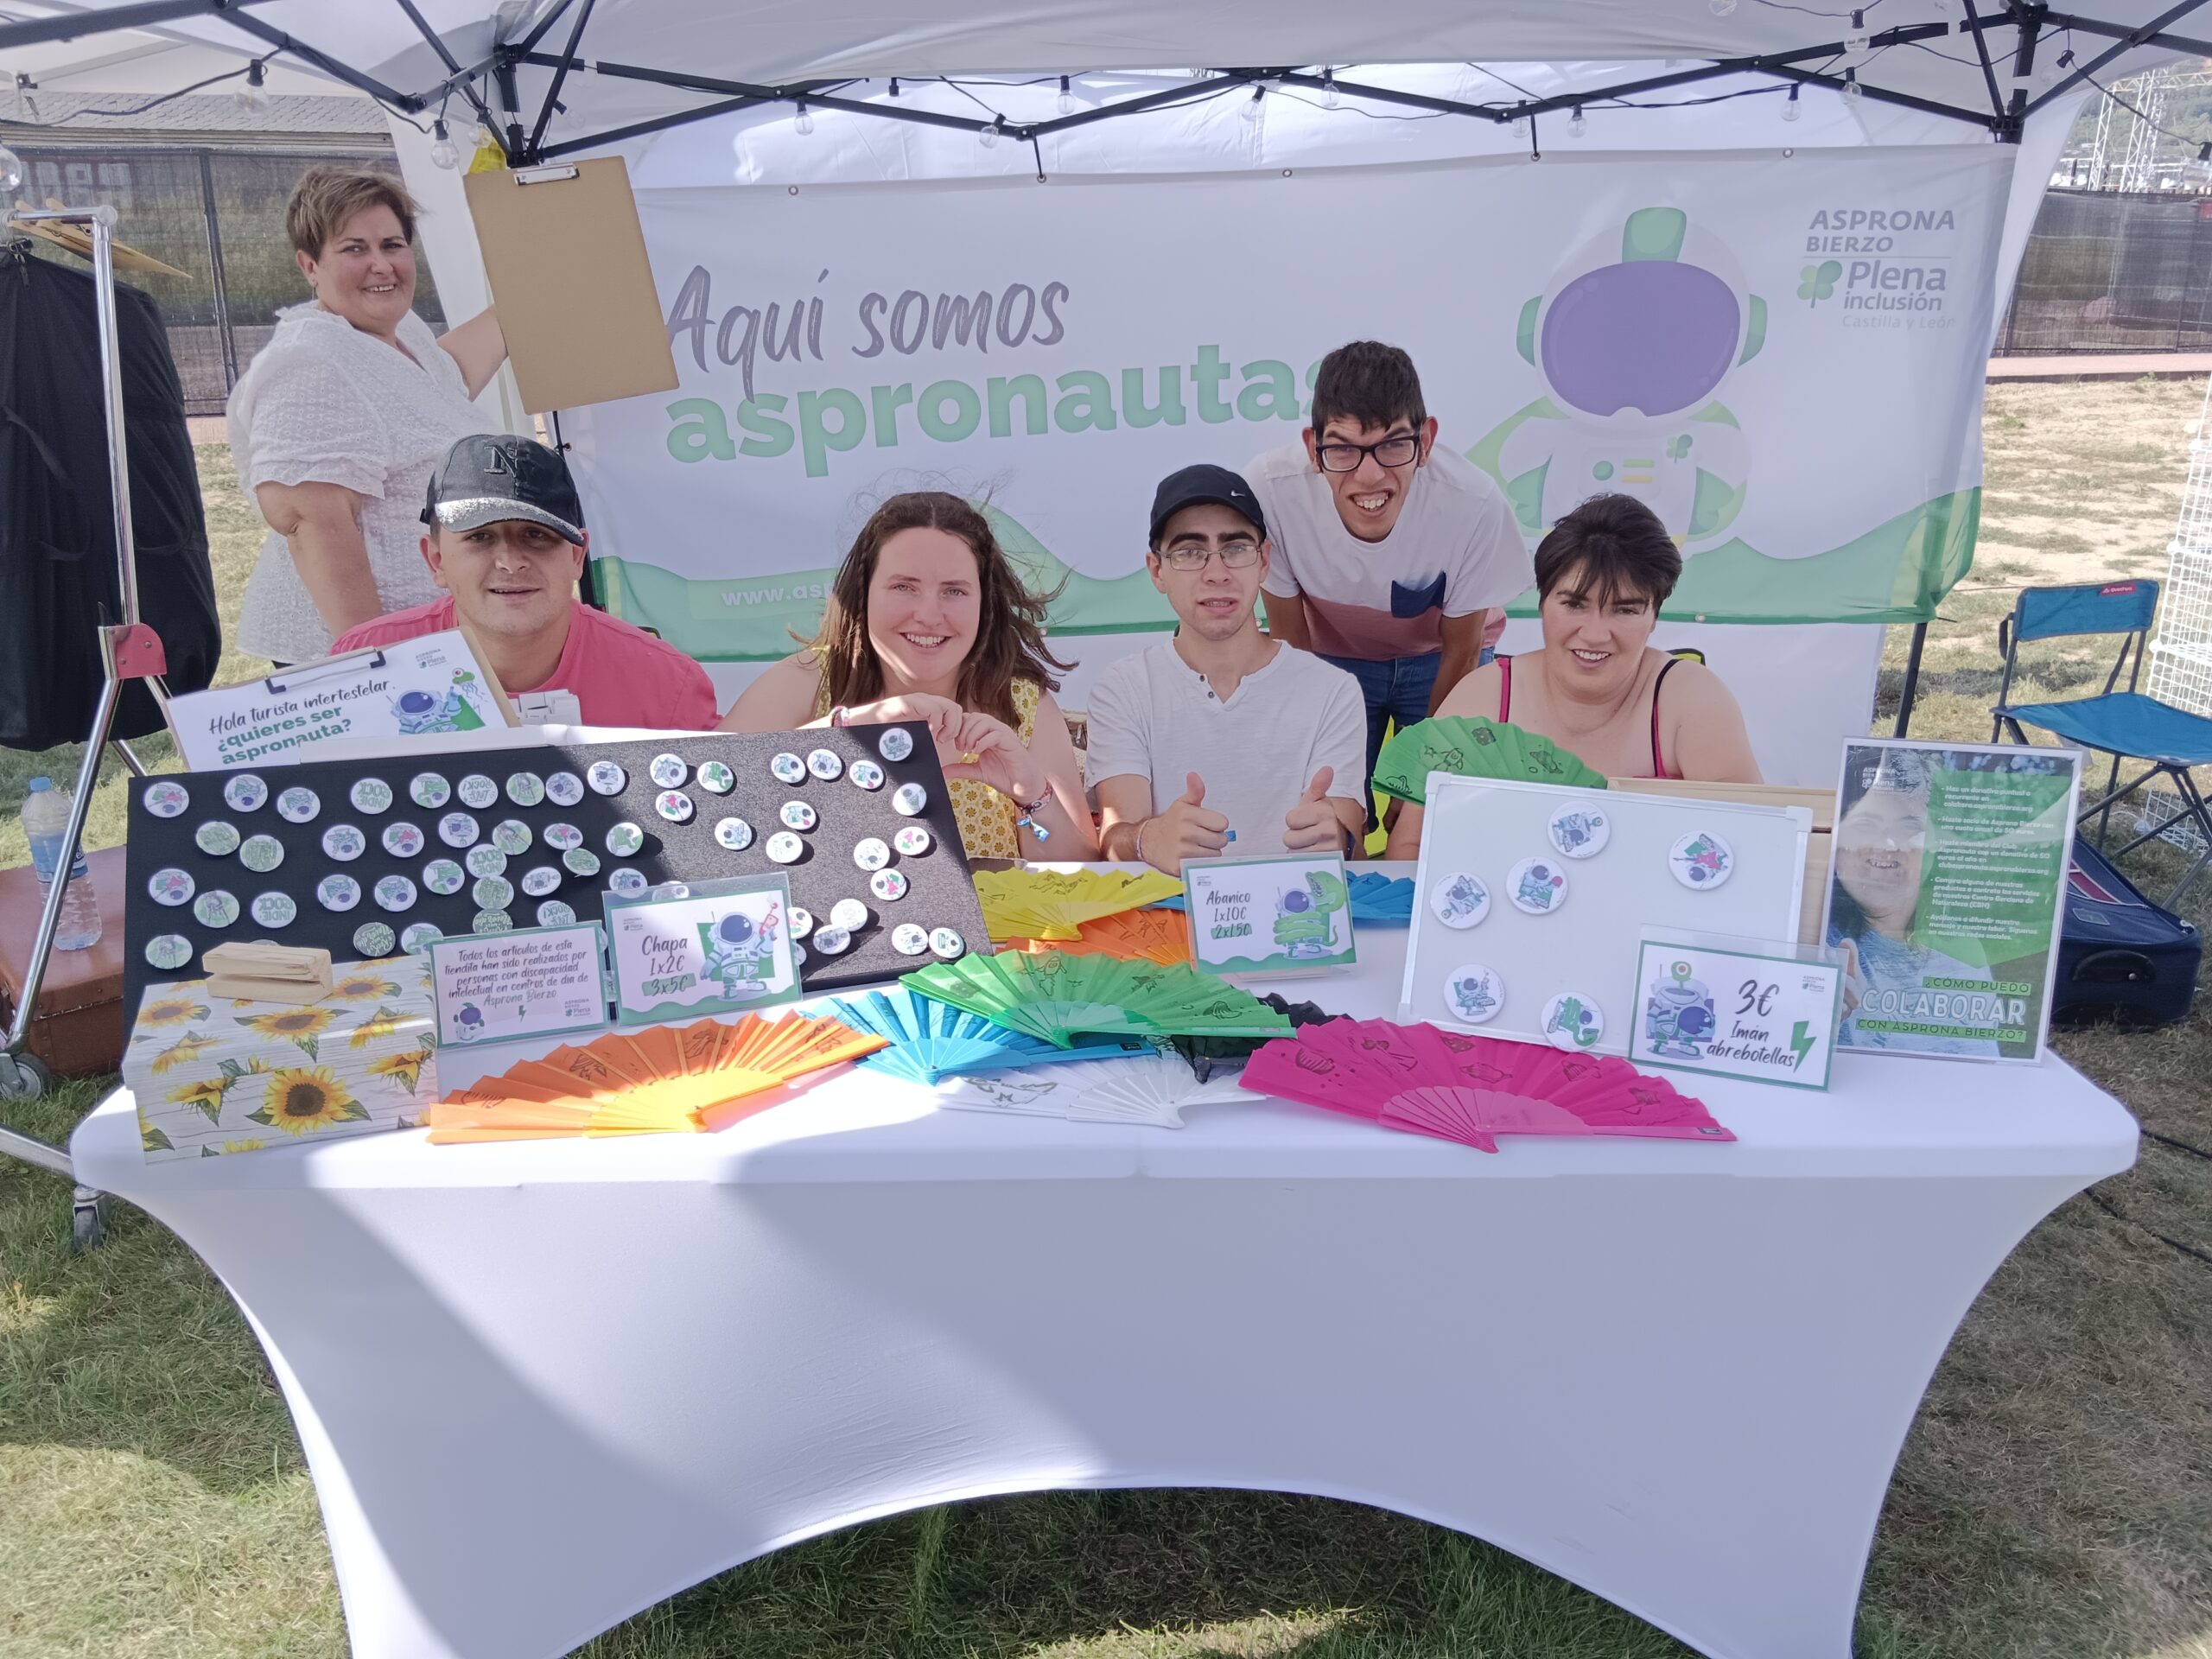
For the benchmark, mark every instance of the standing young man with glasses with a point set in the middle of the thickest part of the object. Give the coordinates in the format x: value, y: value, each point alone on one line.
x: 1390, y: 555
x: 1219, y: 737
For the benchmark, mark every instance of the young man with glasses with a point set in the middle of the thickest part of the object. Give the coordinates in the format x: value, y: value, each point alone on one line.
x: 1219, y: 739
x: 1391, y: 556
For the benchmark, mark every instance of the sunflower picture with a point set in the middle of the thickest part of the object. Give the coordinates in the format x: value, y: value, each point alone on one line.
x: 152, y: 1139
x: 252, y: 1143
x: 190, y: 1047
x: 404, y: 1068
x: 300, y: 1101
x: 207, y: 1094
x: 383, y: 1023
x: 362, y: 987
x: 301, y: 1026
x: 171, y: 1010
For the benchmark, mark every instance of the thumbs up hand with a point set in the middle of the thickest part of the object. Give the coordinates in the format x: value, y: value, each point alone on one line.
x: 1185, y: 829
x: 1313, y: 824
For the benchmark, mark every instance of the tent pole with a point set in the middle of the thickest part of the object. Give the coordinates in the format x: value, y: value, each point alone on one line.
x: 1911, y: 679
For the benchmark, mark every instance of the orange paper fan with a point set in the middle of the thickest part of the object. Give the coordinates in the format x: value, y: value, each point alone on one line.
x: 657, y: 1080
x: 1132, y: 935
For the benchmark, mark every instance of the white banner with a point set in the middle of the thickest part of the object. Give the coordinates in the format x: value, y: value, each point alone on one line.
x: 1783, y: 354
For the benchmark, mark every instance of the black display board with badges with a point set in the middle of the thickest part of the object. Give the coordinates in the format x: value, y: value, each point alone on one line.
x: 366, y: 858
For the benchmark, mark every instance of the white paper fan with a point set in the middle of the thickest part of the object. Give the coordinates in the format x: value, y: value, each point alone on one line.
x: 1143, y: 1089
x: 1030, y: 1093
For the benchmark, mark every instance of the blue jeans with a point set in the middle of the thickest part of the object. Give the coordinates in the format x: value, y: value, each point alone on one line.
x: 1395, y: 688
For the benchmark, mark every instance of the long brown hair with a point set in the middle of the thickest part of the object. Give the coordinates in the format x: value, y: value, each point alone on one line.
x: 1009, y: 633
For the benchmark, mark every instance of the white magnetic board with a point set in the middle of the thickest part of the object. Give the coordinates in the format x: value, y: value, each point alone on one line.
x: 1742, y: 874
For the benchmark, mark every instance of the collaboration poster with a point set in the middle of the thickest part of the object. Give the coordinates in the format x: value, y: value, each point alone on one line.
x: 1945, y: 880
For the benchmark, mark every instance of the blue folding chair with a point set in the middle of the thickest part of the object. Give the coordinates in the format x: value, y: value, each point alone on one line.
x: 2126, y: 725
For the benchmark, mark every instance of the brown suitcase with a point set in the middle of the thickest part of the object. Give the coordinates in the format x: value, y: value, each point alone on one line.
x: 77, y: 1027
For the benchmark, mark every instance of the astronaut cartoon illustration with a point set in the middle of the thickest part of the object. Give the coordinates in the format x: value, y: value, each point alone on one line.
x: 736, y: 949
x: 417, y: 712
x: 1306, y: 916
x: 1634, y: 338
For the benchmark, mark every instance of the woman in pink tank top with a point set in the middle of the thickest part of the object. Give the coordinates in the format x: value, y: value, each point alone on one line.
x: 1597, y: 688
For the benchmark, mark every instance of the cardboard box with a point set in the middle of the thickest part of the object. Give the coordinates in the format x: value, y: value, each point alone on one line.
x: 212, y: 1076
x: 77, y: 1029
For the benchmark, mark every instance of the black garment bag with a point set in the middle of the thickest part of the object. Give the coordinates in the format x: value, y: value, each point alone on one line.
x: 58, y: 582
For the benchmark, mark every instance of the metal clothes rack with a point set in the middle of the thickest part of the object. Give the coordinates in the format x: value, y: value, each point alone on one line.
x: 129, y: 650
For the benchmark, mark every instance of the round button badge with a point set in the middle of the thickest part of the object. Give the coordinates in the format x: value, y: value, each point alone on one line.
x: 1702, y: 860
x: 1574, y: 1021
x: 444, y: 877
x: 1537, y: 886
x: 908, y: 800
x: 913, y: 840
x: 947, y: 943
x: 370, y: 795
x: 832, y: 941
x: 580, y: 861
x: 910, y: 940
x: 887, y: 885
x: 492, y: 892
x: 564, y: 788
x: 622, y: 881
x: 717, y: 779
x: 418, y: 937
x: 871, y: 854
x: 788, y: 768
x: 866, y: 774
x: 298, y: 806
x: 556, y: 912
x: 478, y: 791
x: 674, y: 805
x: 395, y: 893
x: 562, y: 836
x: 736, y: 834
x: 802, y: 921
x: 512, y: 836
x: 215, y: 908
x: 491, y: 921
x: 849, y: 914
x: 896, y: 745
x: 625, y: 840
x: 171, y: 886
x: 1459, y: 900
x: 169, y: 951
x: 540, y: 880
x: 825, y: 764
x: 1473, y: 994
x: 274, y: 909
x: 459, y: 830
x: 344, y: 843
x: 218, y: 838
x: 784, y: 848
x: 525, y: 788
x: 485, y: 860
x: 1579, y: 831
x: 338, y: 892
x: 245, y: 792
x: 261, y: 853
x: 402, y: 839
x: 166, y: 800
x: 428, y: 790
x: 373, y: 939
x: 668, y: 770
x: 606, y: 778
x: 797, y: 814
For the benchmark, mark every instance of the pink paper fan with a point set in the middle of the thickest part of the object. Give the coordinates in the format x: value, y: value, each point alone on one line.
x: 1451, y: 1112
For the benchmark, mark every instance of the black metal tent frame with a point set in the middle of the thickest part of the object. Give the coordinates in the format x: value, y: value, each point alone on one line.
x: 493, y: 79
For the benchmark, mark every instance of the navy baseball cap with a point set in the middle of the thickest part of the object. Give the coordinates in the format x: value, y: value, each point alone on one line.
x: 493, y: 476
x: 1204, y: 485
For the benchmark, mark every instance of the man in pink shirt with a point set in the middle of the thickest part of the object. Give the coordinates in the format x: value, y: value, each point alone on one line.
x: 506, y: 541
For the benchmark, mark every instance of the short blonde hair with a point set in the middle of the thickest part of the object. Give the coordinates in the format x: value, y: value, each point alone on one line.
x: 326, y: 197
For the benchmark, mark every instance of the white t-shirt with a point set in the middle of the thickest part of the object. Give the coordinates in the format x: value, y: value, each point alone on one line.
x: 325, y: 402
x: 1455, y: 550
x: 1154, y: 716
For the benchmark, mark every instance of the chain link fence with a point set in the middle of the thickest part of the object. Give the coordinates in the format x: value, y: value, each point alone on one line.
x: 2105, y: 271
x: 218, y: 216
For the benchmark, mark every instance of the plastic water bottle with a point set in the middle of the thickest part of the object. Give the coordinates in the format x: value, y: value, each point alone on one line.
x: 46, y: 823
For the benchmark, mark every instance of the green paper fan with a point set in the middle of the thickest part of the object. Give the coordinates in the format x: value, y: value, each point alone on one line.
x: 1474, y: 748
x: 1058, y: 998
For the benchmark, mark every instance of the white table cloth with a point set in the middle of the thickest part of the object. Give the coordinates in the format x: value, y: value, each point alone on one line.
x: 542, y: 1386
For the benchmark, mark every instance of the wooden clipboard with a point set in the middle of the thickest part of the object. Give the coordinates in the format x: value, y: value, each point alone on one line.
x: 566, y: 259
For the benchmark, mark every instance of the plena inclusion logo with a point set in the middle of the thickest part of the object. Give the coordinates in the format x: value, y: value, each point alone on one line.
x: 1876, y: 274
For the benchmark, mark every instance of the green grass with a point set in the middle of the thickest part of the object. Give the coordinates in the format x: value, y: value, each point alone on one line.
x: 2054, y: 1500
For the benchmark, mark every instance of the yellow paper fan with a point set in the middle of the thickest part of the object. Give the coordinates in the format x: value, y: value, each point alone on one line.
x: 1055, y: 904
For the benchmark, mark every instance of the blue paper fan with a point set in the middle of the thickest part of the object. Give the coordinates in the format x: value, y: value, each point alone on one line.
x: 1378, y: 898
x: 932, y: 1040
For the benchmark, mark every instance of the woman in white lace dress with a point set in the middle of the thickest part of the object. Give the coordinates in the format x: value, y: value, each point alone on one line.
x: 337, y: 423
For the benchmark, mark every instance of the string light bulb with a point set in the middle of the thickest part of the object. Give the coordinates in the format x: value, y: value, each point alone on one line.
x: 1251, y: 110
x: 1851, y: 90
x: 1576, y: 126
x: 1857, y: 38
x: 988, y: 134
x: 254, y: 94
x: 1331, y: 98
x: 1789, y: 110
x: 12, y: 171
x: 804, y: 122
x: 444, y: 155
x: 1066, y: 102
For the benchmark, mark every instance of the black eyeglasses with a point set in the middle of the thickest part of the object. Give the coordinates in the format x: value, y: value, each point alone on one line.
x: 1346, y: 457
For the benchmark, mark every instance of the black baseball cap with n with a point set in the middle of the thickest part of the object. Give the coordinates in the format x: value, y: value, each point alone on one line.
x: 493, y: 476
x: 1205, y: 485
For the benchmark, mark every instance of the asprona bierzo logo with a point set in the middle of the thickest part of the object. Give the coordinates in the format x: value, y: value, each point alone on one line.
x: 1888, y: 266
